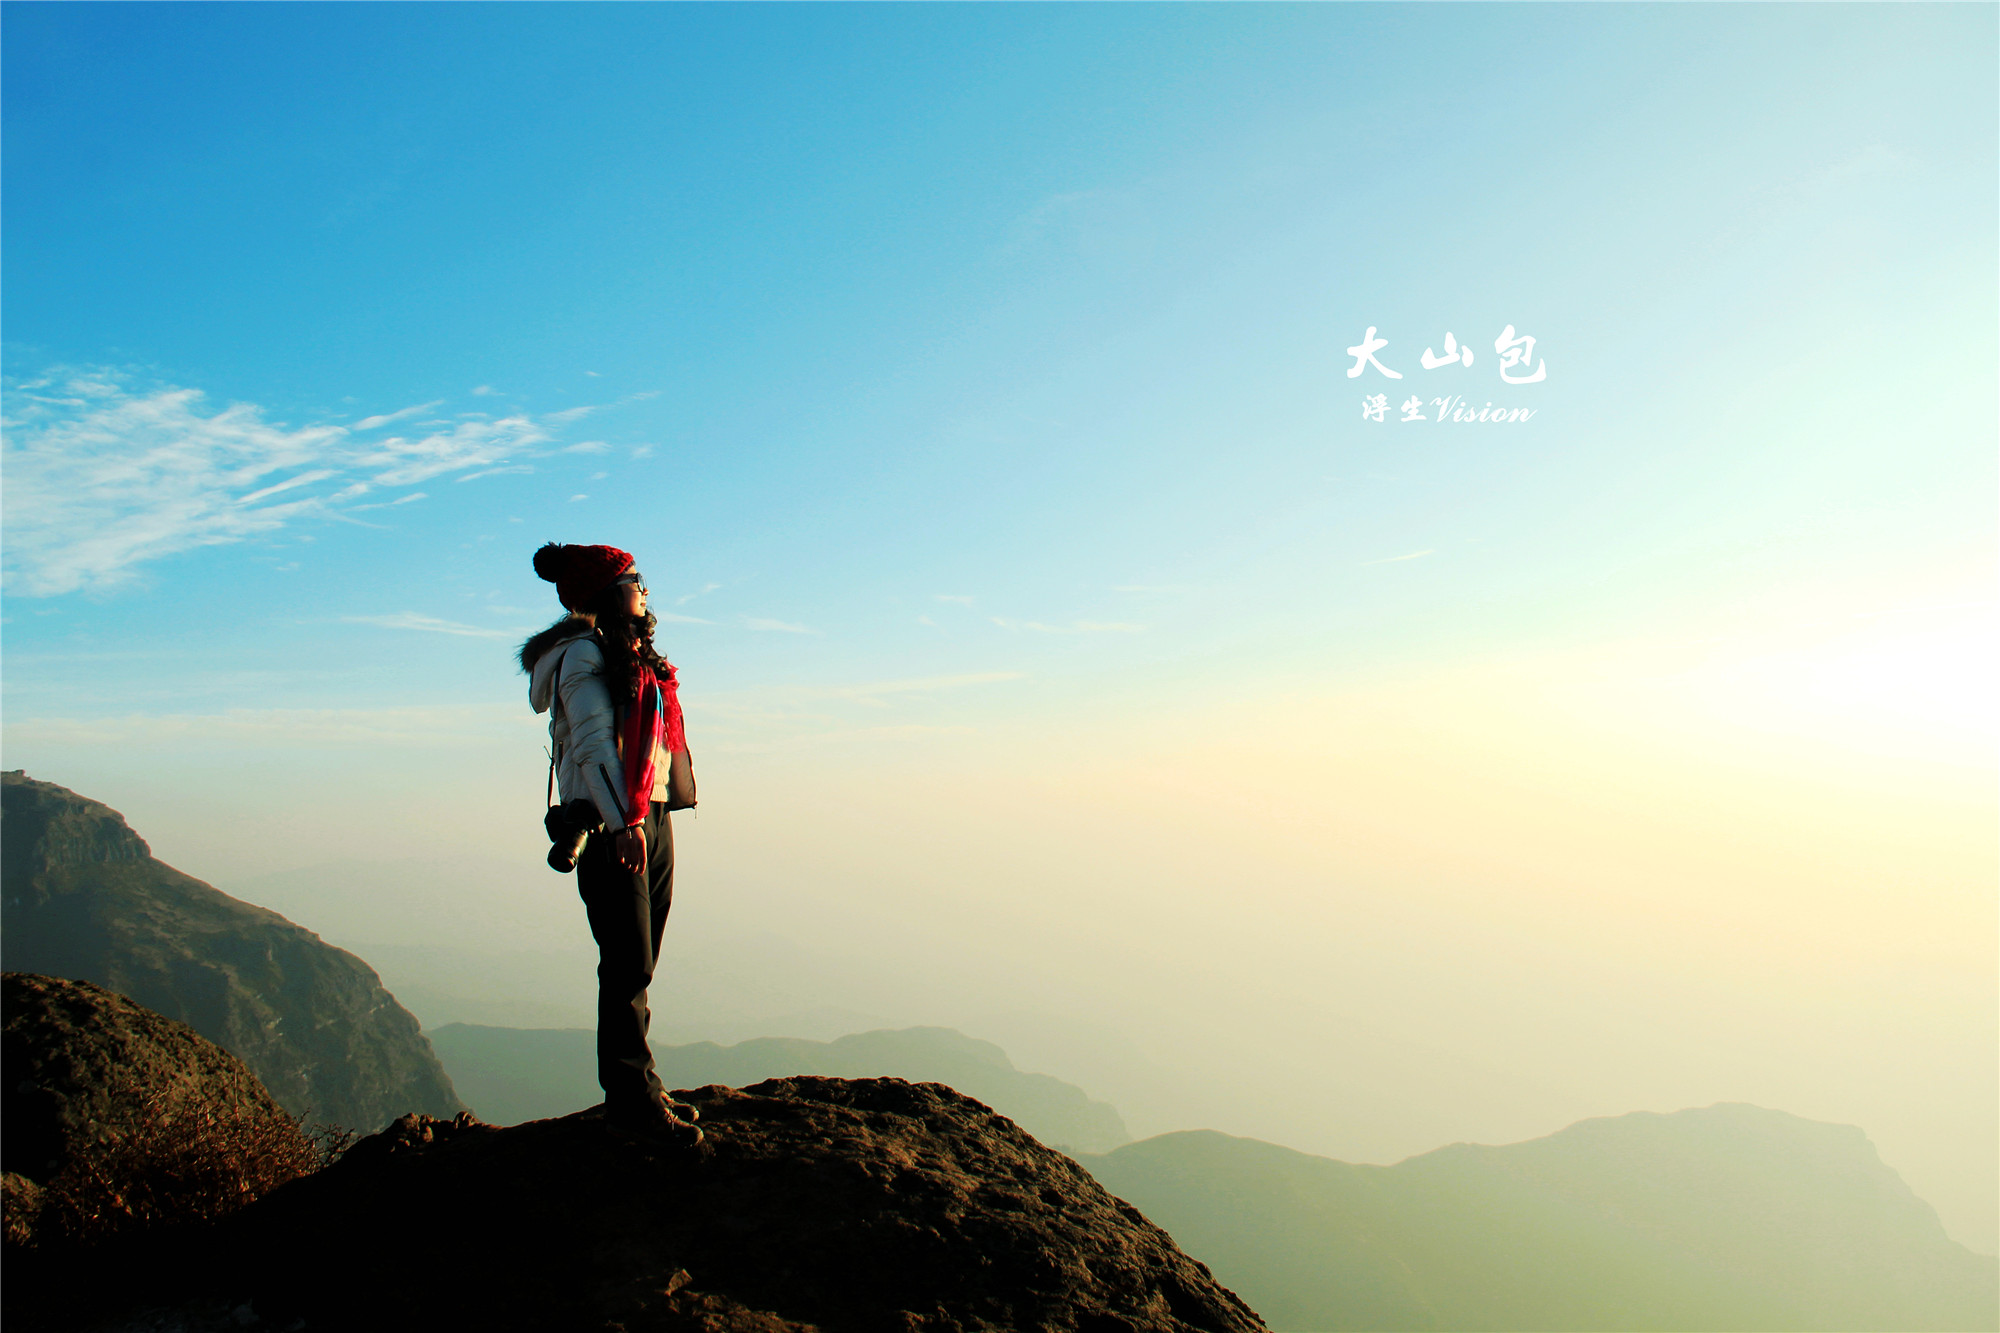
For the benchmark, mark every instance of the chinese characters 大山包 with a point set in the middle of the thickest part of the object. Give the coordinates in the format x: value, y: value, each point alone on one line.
x: 1516, y: 352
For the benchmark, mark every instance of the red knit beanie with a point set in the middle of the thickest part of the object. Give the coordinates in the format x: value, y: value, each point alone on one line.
x: 580, y: 572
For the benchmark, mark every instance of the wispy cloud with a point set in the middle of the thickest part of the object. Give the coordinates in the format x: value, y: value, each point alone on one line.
x: 495, y: 472
x: 391, y: 504
x: 702, y: 591
x: 99, y: 479
x: 1392, y: 559
x: 960, y: 598
x: 460, y: 445
x: 303, y: 479
x: 371, y: 423
x: 587, y: 447
x: 775, y: 626
x: 430, y: 625
x: 104, y: 475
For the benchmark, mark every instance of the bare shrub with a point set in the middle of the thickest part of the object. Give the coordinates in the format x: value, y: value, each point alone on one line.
x: 330, y: 1141
x: 179, y: 1165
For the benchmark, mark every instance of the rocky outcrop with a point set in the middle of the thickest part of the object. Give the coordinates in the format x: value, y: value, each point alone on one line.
x: 119, y: 1120
x: 81, y: 896
x: 815, y: 1203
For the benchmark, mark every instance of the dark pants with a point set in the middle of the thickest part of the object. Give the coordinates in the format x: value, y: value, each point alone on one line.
x: 628, y: 912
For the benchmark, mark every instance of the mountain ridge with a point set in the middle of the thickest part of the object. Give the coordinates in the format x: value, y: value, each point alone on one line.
x: 515, y: 1074
x: 1712, y: 1218
x: 82, y: 897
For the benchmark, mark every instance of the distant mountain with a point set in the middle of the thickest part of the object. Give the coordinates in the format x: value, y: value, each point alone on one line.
x: 516, y: 1074
x: 1729, y: 1218
x: 82, y: 897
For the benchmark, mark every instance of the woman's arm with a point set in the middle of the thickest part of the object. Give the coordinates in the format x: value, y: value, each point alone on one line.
x: 593, y: 741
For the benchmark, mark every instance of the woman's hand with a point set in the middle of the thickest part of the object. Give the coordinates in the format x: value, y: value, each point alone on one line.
x: 629, y: 847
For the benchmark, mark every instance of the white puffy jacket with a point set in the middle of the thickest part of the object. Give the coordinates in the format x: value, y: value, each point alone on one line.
x: 583, y: 728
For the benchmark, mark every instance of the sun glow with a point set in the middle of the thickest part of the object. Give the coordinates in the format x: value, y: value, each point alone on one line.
x: 1915, y: 683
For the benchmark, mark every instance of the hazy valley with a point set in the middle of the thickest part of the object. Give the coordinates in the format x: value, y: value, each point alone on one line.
x: 1729, y: 1217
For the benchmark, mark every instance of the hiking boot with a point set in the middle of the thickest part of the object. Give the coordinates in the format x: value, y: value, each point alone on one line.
x: 652, y: 1120
x: 687, y: 1111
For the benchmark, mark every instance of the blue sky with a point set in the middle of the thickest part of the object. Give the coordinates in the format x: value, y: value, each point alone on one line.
x: 1024, y: 304
x: 972, y: 381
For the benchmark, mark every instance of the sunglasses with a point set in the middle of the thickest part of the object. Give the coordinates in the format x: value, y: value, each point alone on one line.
x: 637, y: 580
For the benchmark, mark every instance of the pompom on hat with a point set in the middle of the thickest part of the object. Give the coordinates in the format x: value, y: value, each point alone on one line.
x: 580, y: 573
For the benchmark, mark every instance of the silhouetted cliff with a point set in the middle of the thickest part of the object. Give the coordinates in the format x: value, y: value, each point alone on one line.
x: 81, y: 896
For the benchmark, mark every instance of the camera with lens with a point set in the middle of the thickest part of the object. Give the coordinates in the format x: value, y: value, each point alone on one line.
x: 568, y: 826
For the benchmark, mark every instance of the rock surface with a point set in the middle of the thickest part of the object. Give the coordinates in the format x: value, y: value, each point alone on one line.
x: 81, y: 896
x: 117, y: 1118
x: 815, y: 1203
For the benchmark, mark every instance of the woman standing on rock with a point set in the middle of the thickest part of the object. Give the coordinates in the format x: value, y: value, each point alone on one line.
x: 620, y: 758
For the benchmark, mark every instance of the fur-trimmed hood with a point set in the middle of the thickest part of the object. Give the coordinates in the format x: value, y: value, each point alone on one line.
x: 540, y: 661
x: 535, y: 648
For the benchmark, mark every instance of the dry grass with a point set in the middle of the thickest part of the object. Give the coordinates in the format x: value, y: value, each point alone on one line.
x: 177, y: 1167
